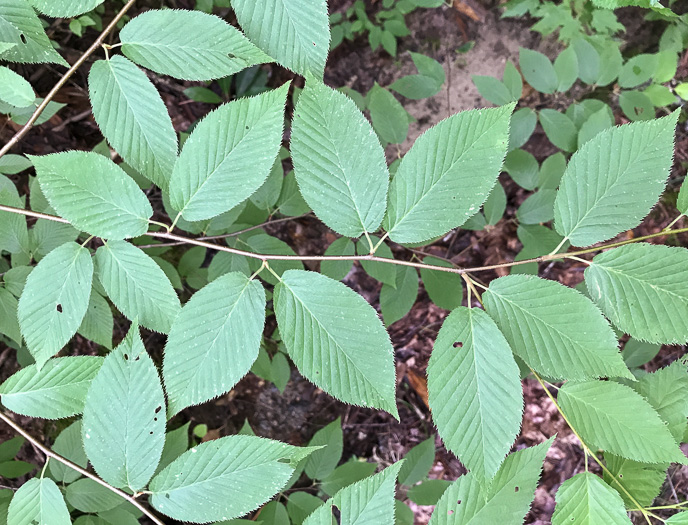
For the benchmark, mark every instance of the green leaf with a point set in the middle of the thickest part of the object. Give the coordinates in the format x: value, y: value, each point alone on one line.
x: 551, y: 171
x: 589, y: 63
x: 642, y: 480
x: 597, y: 122
x: 55, y: 300
x: 346, y: 474
x: 176, y: 443
x: 232, y: 476
x: 667, y: 391
x: 295, y: 32
x: 136, y: 285
x: 336, y: 339
x: 513, y: 81
x: 424, y: 85
x: 538, y: 70
x: 556, y: 330
x: 38, y: 501
x: 93, y: 193
x: 610, y: 61
x: 537, y: 208
x: 680, y: 518
x: 338, y: 161
x: 58, y: 390
x: 14, y: 89
x: 428, y: 492
x: 300, y: 505
x: 495, y: 205
x: 587, y: 500
x: 19, y: 25
x: 9, y: 323
x: 68, y: 444
x: 444, y: 289
x: 566, y: 67
x: 559, y: 128
x: 383, y: 272
x: 14, y: 236
x: 214, y: 340
x: 523, y: 123
x: 87, y: 495
x: 190, y: 45
x: 643, y: 289
x: 203, y: 95
x: 127, y: 390
x: 682, y: 199
x: 337, y: 270
x: 98, y: 322
x: 46, y: 235
x: 428, y: 196
x: 612, y: 182
x: 395, y: 303
x: 322, y: 463
x: 370, y: 500
x: 637, y: 70
x: 522, y: 167
x: 475, y: 390
x: 65, y: 8
x: 492, y: 89
x: 417, y: 462
x: 133, y: 118
x: 228, y: 155
x: 505, y: 501
x: 389, y: 118
x: 15, y: 279
x: 636, y: 353
x: 636, y: 105
x: 615, y: 418
x: 12, y: 164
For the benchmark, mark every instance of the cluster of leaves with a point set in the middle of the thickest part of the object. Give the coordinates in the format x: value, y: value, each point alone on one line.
x: 387, y: 25
x: 95, y: 245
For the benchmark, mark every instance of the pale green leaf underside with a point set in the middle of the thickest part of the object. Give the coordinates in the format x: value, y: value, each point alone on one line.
x: 214, y: 340
x: 615, y: 418
x: 98, y: 323
x: 322, y: 462
x: 613, y: 181
x: 556, y: 330
x: 69, y: 445
x: 137, y: 285
x: 55, y: 299
x: 336, y: 339
x: 190, y: 45
x: 38, y: 501
x: 475, y: 391
x: 58, y: 390
x: 643, y: 289
x: 295, y: 32
x: 17, y: 20
x: 370, y: 500
x: 65, y: 8
x: 585, y: 499
x: 124, y: 417
x: 93, y: 193
x: 338, y: 161
x: 224, y: 478
x: 228, y: 155
x: 133, y: 118
x: 505, y: 501
x: 448, y: 174
x: 9, y: 324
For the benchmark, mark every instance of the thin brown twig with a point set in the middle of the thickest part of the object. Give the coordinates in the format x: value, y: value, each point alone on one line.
x: 368, y: 257
x: 50, y: 454
x: 25, y: 129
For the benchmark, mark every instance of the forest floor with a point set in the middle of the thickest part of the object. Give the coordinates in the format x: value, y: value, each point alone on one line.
x: 302, y: 409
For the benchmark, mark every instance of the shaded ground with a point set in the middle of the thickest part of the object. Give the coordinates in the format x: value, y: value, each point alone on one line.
x: 302, y: 409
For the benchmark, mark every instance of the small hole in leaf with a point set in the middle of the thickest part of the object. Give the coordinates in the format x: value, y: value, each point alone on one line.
x: 458, y: 502
x: 126, y: 357
x: 137, y: 358
x: 167, y: 496
x: 516, y: 489
x: 458, y: 344
x: 231, y: 55
x: 246, y: 128
x: 638, y: 110
x: 59, y: 308
x: 158, y: 409
x: 23, y: 38
x: 151, y: 432
x: 621, y: 475
x: 155, y: 419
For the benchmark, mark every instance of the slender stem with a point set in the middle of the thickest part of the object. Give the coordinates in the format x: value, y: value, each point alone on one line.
x: 672, y: 223
x: 574, y: 258
x: 272, y: 271
x: 370, y: 243
x: 255, y: 274
x: 25, y: 129
x: 563, y: 241
x: 50, y: 454
x: 368, y: 257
